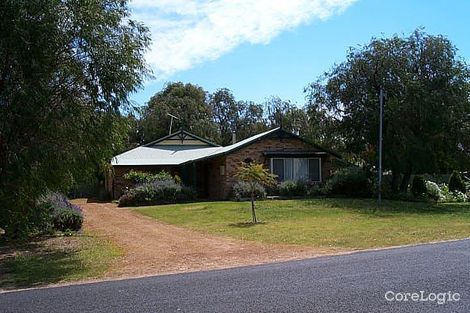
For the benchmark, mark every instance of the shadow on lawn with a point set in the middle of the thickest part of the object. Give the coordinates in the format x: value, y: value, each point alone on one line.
x: 37, y: 263
x: 391, y: 207
x: 245, y: 224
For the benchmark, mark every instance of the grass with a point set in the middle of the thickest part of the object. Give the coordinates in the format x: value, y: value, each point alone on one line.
x: 336, y: 223
x: 55, y: 260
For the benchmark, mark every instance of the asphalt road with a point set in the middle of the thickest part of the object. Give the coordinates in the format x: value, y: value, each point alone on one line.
x: 347, y: 283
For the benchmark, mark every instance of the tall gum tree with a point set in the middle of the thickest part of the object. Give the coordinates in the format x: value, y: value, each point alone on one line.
x: 426, y: 113
x: 66, y: 70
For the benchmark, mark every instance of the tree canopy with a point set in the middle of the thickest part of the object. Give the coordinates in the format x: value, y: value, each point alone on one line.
x: 283, y: 113
x: 214, y: 116
x: 230, y: 116
x: 66, y: 69
x: 226, y: 114
x: 426, y: 112
x: 187, y: 102
x: 218, y: 115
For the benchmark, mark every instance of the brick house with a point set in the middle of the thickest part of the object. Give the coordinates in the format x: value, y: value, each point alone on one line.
x: 211, y: 169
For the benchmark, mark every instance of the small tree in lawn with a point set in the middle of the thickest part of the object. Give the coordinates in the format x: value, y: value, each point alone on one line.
x: 253, y: 174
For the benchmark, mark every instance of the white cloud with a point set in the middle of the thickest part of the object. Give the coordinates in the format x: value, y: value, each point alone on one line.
x: 189, y: 32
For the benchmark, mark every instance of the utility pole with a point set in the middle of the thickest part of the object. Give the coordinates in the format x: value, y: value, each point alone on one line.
x: 171, y: 121
x: 381, y: 104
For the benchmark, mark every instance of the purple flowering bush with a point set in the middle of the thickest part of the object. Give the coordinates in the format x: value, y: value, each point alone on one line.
x: 58, y: 213
x: 242, y: 190
x: 59, y: 200
x: 156, y: 192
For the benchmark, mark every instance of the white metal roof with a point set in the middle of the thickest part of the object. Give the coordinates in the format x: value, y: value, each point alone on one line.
x: 176, y: 154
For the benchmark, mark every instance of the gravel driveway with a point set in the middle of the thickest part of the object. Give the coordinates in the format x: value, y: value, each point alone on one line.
x: 153, y: 247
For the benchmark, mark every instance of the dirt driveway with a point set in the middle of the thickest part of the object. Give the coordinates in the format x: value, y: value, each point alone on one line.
x: 153, y: 247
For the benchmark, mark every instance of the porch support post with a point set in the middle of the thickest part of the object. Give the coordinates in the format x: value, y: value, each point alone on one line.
x: 194, y: 175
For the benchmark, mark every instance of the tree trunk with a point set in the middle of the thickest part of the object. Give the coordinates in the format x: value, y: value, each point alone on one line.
x: 395, y: 181
x: 253, y: 212
x: 405, y: 181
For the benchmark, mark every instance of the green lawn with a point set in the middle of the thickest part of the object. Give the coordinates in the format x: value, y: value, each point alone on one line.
x: 53, y: 260
x: 337, y: 223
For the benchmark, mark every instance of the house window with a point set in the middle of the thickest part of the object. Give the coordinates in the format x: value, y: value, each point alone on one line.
x: 277, y: 167
x: 222, y: 170
x: 296, y: 169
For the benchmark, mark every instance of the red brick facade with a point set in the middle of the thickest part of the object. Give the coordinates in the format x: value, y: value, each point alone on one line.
x: 255, y: 152
x: 216, y: 186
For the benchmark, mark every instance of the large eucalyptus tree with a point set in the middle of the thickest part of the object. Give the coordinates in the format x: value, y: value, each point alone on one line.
x: 66, y: 70
x: 427, y: 109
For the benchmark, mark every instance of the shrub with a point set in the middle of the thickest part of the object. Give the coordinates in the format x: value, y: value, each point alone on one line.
x: 65, y: 219
x: 456, y: 182
x: 418, y: 187
x: 126, y: 200
x: 241, y: 190
x: 164, y: 175
x: 41, y: 220
x: 446, y: 195
x: 350, y: 181
x: 459, y: 196
x: 57, y: 200
x: 186, y: 194
x: 449, y: 196
x: 156, y: 192
x: 387, y: 191
x: 177, y: 179
x: 315, y: 190
x: 137, y: 177
x: 433, y: 191
x: 272, y: 190
x: 466, y: 179
x: 290, y: 188
x: 55, y: 212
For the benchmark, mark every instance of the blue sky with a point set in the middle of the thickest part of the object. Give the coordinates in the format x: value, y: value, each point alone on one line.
x: 258, y: 50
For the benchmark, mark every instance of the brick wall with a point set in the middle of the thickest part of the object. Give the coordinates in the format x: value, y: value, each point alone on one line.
x: 216, y: 181
x: 255, y: 153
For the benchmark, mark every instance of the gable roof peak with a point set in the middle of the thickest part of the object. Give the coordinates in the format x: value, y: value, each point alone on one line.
x: 179, y: 137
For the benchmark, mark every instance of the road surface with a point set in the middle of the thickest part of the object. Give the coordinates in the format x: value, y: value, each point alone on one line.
x: 358, y: 282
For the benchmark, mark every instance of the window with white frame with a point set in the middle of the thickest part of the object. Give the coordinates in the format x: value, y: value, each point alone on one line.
x: 296, y: 168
